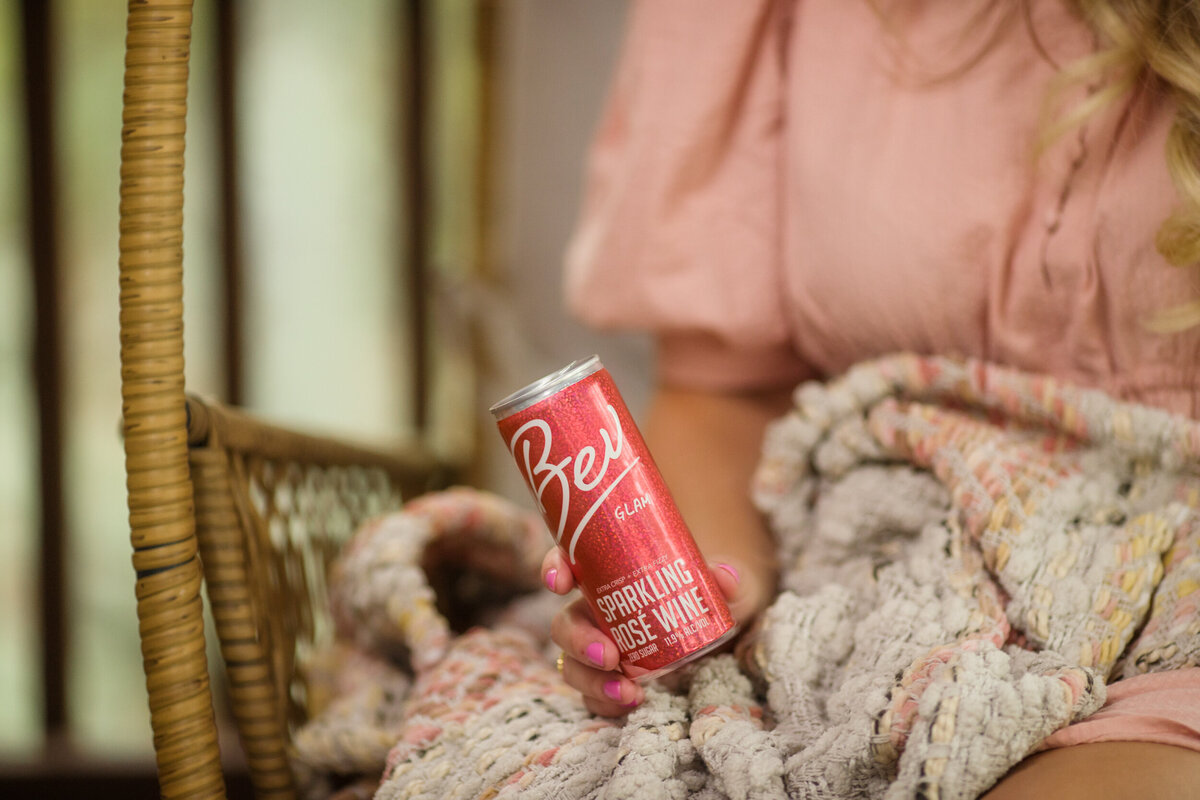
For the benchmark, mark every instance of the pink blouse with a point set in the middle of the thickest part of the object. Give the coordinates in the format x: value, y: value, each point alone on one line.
x: 781, y: 189
x: 778, y: 190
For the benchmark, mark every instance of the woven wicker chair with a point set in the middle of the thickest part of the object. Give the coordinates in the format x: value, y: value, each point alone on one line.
x: 256, y: 508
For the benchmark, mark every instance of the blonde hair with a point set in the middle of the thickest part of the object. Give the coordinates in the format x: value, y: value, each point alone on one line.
x: 1160, y: 40
x: 1139, y: 40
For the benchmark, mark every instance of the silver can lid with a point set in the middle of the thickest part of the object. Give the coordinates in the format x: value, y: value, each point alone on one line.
x: 541, y: 389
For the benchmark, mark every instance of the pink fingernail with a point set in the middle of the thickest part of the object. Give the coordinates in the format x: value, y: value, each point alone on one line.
x: 613, y: 690
x: 737, y: 578
x: 634, y: 704
x: 551, y: 579
x: 595, y: 653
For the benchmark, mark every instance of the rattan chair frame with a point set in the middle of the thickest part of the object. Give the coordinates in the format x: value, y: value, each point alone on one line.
x: 265, y: 586
x: 193, y: 468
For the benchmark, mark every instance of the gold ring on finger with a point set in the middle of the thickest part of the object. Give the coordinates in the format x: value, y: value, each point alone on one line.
x: 559, y: 661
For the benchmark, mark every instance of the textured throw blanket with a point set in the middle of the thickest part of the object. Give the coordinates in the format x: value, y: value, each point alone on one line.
x: 969, y: 554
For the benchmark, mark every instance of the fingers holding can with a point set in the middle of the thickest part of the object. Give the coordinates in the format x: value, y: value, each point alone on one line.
x: 574, y: 630
x: 590, y: 662
x: 555, y: 572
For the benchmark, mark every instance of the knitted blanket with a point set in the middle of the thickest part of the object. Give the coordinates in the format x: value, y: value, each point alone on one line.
x: 969, y: 554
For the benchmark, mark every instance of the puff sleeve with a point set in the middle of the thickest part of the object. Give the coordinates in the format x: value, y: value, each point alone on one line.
x: 680, y: 232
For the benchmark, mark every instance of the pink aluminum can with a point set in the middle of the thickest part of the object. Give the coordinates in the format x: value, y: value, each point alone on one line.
x: 612, y: 516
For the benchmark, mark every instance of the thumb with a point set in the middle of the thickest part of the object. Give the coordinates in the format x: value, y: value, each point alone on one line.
x: 739, y: 587
x: 728, y: 577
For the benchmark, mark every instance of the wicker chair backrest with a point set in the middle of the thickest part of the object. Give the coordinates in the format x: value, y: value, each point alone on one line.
x: 263, y: 509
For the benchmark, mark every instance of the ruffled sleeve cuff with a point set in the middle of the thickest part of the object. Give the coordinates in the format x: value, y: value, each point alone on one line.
x: 703, y: 361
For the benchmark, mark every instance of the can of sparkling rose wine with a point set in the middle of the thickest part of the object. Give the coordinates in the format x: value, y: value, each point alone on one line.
x: 612, y: 516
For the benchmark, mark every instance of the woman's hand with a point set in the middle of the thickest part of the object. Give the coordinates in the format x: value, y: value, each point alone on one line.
x: 590, y: 658
x: 706, y: 444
